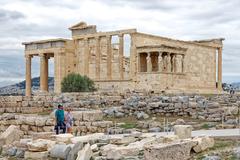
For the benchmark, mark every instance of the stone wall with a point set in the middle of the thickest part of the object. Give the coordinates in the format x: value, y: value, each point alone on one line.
x: 85, y: 122
x: 212, y: 108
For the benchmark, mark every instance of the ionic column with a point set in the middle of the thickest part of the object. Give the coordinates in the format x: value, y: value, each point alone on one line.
x: 28, y: 90
x: 149, y: 63
x: 219, y: 69
x: 160, y: 62
x: 98, y: 55
x: 168, y: 63
x: 86, y: 57
x: 43, y: 72
x: 109, y: 57
x: 121, y: 63
x: 183, y: 63
x: 59, y: 70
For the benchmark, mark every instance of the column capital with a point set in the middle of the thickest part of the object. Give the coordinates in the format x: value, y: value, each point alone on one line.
x: 160, y: 52
x: 97, y: 37
x: 120, y: 35
x: 28, y: 56
x: 108, y: 36
x: 41, y: 55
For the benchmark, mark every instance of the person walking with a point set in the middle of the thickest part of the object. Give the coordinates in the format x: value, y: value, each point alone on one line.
x: 69, y: 120
x: 59, y: 115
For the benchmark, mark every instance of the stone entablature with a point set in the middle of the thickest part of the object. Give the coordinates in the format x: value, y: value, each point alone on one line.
x: 180, y: 65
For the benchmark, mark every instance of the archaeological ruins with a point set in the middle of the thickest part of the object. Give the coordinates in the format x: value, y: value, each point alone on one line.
x: 154, y: 63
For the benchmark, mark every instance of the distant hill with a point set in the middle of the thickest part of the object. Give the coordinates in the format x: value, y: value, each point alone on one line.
x: 19, y: 88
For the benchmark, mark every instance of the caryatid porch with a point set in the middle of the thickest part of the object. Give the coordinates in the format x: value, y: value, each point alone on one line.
x: 45, y: 50
x: 161, y: 58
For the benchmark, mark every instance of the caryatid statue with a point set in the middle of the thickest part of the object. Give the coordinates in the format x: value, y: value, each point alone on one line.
x: 168, y: 63
x: 160, y: 62
x: 149, y: 63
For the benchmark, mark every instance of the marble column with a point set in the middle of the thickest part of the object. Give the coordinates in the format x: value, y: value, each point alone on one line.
x: 178, y: 64
x: 160, y: 62
x: 219, y: 69
x: 86, y: 57
x: 59, y: 70
x: 109, y: 57
x: 168, y: 63
x: 28, y: 90
x: 149, y: 63
x: 121, y: 60
x: 43, y: 72
x: 98, y: 55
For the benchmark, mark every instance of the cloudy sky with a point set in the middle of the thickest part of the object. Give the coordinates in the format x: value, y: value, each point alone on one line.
x: 26, y: 20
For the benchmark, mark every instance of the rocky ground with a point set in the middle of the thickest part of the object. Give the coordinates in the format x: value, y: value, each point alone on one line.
x: 100, y: 146
x: 112, y: 126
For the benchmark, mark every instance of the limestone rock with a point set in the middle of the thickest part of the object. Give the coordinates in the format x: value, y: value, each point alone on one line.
x: 11, y: 134
x: 236, y: 152
x: 75, y: 148
x: 30, y: 120
x: 142, y: 115
x: 179, y: 122
x: 169, y: 151
x: 20, y: 153
x: 36, y: 155
x: 40, y: 145
x: 155, y: 129
x: 203, y: 143
x: 85, y: 153
x: 87, y: 138
x: 95, y: 115
x: 183, y: 131
x: 212, y: 158
x: 40, y: 121
x: 60, y: 151
x: 63, y: 137
x: 123, y: 140
x: 169, y: 138
x: 12, y: 151
x: 78, y: 115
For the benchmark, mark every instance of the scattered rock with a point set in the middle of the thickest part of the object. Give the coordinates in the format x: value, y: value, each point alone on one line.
x: 10, y: 135
x: 142, y: 115
x: 156, y: 129
x: 211, y: 158
x: 85, y: 153
x: 183, y: 131
x: 203, y: 143
x: 169, y: 151
x: 60, y: 151
x: 36, y: 155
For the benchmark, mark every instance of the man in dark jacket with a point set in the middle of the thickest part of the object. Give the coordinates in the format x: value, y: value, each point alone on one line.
x: 59, y: 115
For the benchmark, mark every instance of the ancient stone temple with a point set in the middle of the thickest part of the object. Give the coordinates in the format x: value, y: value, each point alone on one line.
x: 154, y: 63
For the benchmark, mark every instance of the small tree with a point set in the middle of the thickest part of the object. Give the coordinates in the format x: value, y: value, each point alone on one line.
x: 77, y: 83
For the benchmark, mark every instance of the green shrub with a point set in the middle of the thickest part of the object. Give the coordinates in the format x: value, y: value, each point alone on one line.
x: 77, y: 83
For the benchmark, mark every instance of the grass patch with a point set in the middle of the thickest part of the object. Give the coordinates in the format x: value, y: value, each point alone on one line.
x: 205, y: 126
x: 128, y: 125
x: 219, y: 144
x: 233, y: 157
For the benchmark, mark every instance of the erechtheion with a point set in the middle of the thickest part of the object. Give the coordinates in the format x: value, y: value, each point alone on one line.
x: 154, y: 63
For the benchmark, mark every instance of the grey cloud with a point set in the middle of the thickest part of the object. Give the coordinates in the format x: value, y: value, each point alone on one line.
x: 6, y: 15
